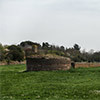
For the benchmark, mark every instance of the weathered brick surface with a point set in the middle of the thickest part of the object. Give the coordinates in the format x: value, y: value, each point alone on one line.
x: 36, y: 64
x: 87, y: 65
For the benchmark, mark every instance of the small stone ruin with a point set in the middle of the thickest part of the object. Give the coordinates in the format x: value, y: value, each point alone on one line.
x: 42, y: 63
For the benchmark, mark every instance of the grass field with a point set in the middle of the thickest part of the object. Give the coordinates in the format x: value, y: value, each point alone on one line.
x: 75, y: 84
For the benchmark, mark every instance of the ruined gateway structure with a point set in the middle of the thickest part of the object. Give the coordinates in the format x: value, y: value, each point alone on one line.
x: 42, y: 63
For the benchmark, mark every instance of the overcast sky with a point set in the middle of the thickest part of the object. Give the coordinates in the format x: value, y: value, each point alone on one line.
x: 59, y: 22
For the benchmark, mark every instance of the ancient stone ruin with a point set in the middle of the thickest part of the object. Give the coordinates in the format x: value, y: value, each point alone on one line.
x: 38, y: 62
x: 47, y: 63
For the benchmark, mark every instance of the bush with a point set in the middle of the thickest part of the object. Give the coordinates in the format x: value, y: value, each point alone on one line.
x: 15, y: 53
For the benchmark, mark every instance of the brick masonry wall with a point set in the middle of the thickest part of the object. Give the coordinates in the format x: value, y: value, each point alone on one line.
x: 12, y: 62
x: 87, y: 65
x: 36, y: 64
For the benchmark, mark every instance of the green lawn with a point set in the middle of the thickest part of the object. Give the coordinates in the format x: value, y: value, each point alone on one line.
x: 75, y: 84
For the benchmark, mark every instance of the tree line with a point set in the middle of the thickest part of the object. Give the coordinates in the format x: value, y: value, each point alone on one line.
x: 21, y: 51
